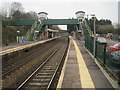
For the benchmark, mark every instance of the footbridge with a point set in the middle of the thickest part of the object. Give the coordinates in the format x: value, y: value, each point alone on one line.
x: 40, y: 24
x: 45, y: 22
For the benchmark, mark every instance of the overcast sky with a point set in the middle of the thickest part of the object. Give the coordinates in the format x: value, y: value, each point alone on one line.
x: 106, y: 9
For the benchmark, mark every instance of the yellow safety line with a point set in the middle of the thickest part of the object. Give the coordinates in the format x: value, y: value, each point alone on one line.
x: 86, y: 80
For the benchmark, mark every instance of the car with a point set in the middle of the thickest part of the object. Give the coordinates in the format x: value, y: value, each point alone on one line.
x: 101, y: 39
x: 113, y: 48
x: 109, y: 35
x: 115, y: 56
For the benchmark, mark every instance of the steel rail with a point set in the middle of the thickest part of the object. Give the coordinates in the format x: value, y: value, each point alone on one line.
x: 56, y: 70
x: 27, y: 60
x: 20, y: 86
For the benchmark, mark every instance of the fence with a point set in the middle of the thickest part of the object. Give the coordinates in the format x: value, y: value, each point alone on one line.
x: 112, y: 64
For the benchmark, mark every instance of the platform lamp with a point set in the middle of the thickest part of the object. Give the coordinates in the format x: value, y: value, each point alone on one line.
x: 94, y: 49
x: 18, y: 36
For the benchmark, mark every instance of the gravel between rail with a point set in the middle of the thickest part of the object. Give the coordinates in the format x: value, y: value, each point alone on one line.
x: 13, y: 79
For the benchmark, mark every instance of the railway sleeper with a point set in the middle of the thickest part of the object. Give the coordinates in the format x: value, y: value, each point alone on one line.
x: 41, y: 80
x: 44, y: 74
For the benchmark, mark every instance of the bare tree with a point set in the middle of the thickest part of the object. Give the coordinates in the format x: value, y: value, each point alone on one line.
x: 5, y: 10
x: 16, y: 6
x: 8, y: 9
x: 33, y: 15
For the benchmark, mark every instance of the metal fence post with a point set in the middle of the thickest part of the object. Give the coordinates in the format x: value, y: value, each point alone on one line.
x: 119, y: 74
x: 104, y: 54
x: 119, y: 71
x: 96, y: 49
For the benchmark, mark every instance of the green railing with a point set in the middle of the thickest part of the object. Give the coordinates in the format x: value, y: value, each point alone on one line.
x: 101, y: 51
x: 110, y: 62
x: 30, y: 33
x: 113, y: 65
x: 100, y: 48
x: 89, y: 43
x: 35, y: 27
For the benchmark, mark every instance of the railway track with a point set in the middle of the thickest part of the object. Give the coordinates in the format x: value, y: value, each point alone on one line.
x: 43, y: 76
x: 9, y: 68
x: 16, y: 75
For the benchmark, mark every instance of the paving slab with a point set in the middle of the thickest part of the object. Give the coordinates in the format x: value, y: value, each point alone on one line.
x: 71, y: 76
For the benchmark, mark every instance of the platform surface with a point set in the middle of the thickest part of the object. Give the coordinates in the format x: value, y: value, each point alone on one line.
x: 19, y: 46
x: 80, y: 70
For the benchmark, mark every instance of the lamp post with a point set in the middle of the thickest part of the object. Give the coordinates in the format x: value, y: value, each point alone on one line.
x: 18, y: 36
x: 80, y: 15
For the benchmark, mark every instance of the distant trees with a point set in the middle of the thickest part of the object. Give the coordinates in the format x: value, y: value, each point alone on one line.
x: 117, y: 29
x: 55, y: 27
x: 71, y: 28
x: 24, y: 16
x: 17, y: 15
x: 104, y: 29
x: 16, y: 7
x: 15, y: 11
x: 5, y: 10
x: 104, y: 22
x: 103, y: 26
x: 33, y: 15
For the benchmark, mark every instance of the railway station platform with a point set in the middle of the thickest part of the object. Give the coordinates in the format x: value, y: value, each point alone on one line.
x: 81, y: 71
x: 20, y: 46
